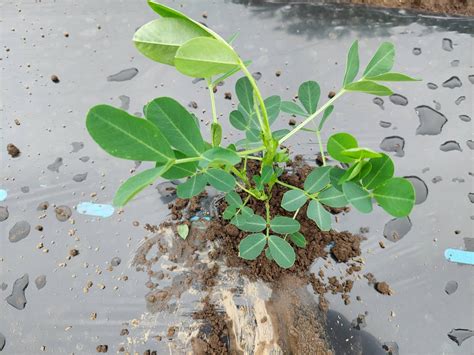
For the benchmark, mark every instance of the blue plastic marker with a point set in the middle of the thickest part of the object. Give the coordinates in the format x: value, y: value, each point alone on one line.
x: 459, y: 256
x: 95, y: 209
x: 3, y: 194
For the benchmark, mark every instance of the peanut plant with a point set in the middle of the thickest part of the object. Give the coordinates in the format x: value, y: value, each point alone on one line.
x: 170, y: 137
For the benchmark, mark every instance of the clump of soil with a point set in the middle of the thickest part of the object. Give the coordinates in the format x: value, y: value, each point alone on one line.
x: 459, y: 7
x: 13, y: 150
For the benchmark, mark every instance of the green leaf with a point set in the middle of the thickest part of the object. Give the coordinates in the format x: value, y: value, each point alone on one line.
x: 352, y: 66
x: 268, y: 254
x: 250, y: 222
x: 229, y: 212
x: 392, y: 77
x: 179, y: 171
x: 281, y: 251
x: 203, y: 57
x: 272, y: 105
x: 365, y: 170
x: 350, y: 173
x: 293, y: 199
x: 232, y: 38
x: 317, y: 179
x: 357, y: 196
x: 233, y: 199
x: 339, y: 142
x: 326, y: 114
x: 219, y: 155
x: 216, y: 133
x: 160, y: 39
x: 298, y: 239
x: 308, y: 94
x: 244, y: 92
x: 192, y: 187
x: 177, y: 123
x: 284, y: 225
x: 293, y: 109
x: 252, y: 246
x: 361, y: 153
x: 279, y: 134
x: 382, y: 170
x: 396, y: 196
x: 135, y: 184
x: 369, y: 87
x: 253, y: 135
x: 126, y: 136
x: 382, y: 61
x: 220, y: 179
x: 267, y: 173
x: 335, y: 175
x: 238, y: 120
x: 332, y: 197
x: 183, y: 231
x: 319, y: 215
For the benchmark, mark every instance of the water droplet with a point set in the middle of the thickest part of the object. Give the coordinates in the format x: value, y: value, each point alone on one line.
x: 115, y: 261
x: 397, y: 228
x: 63, y: 213
x: 379, y: 102
x: 431, y: 121
x: 416, y: 51
x: 432, y: 86
x: 421, y: 189
x: 56, y: 165
x: 452, y: 82
x: 84, y: 159
x: 451, y: 287
x: 257, y: 75
x: 458, y: 179
x: 79, y: 177
x: 459, y: 335
x: 470, y: 195
x: 455, y: 63
x: 385, y: 124
x: 40, y: 281
x: 469, y: 244
x: 4, y: 213
x: 123, y: 75
x: 124, y: 102
x: 459, y: 100
x: 17, y: 298
x: 197, y: 80
x: 3, y: 286
x: 437, y: 105
x: 470, y: 144
x: 465, y: 118
x: 19, y: 231
x: 77, y: 146
x: 398, y: 99
x: 138, y: 114
x: 449, y: 146
x: 25, y: 189
x: 393, y: 144
x: 471, y: 78
x: 436, y: 179
x: 3, y: 341
x: 447, y: 44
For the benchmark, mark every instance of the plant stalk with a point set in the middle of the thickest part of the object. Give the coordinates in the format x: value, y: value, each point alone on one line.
x: 321, y: 150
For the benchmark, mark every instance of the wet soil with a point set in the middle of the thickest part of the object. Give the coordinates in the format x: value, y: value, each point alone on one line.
x: 458, y: 7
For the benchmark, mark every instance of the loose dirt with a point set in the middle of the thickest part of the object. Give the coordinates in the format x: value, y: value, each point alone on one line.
x: 458, y: 7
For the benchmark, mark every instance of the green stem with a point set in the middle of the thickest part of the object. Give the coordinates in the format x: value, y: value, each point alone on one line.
x: 251, y: 151
x: 213, y: 100
x: 247, y: 191
x: 318, y: 135
x: 267, y: 211
x: 311, y: 117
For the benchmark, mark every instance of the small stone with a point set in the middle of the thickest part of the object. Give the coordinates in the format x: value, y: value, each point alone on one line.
x: 54, y: 78
x: 13, y: 150
x: 382, y: 245
x: 204, y: 14
x: 39, y: 228
x: 331, y: 94
x: 383, y: 288
x: 73, y: 252
x: 102, y: 348
x: 66, y: 34
x: 171, y: 331
x: 43, y: 206
x: 93, y: 316
x: 193, y: 104
x: 292, y: 122
x: 228, y: 96
x: 124, y: 332
x: 17, y: 121
x: 278, y: 73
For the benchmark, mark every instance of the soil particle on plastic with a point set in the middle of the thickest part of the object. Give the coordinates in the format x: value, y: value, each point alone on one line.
x: 102, y: 348
x: 171, y: 331
x: 43, y: 206
x: 383, y: 288
x: 331, y: 94
x: 73, y: 252
x: 124, y: 332
x: 55, y: 79
x: 292, y: 122
x: 228, y: 96
x: 13, y: 150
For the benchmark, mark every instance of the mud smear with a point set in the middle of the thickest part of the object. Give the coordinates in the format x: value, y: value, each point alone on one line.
x: 123, y: 75
x: 17, y: 298
x: 449, y: 146
x: 394, y: 144
x: 397, y: 228
x: 431, y: 121
x: 56, y: 165
x: 77, y: 146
